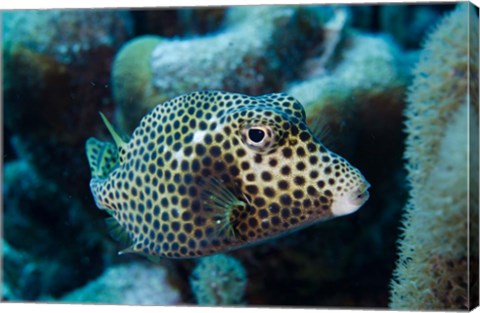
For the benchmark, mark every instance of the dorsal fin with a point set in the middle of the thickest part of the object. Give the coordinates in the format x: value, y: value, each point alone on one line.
x: 120, y: 142
x: 102, y: 157
x: 116, y: 137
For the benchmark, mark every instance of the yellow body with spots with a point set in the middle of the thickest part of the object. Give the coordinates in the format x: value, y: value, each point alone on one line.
x: 211, y: 171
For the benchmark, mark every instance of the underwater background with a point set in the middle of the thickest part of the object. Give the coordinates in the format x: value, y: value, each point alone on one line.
x: 367, y: 74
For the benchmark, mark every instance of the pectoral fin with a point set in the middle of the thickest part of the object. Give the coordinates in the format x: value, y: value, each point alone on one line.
x: 221, y: 201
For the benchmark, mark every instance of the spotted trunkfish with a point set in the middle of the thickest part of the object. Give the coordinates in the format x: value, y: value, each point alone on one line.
x: 212, y: 171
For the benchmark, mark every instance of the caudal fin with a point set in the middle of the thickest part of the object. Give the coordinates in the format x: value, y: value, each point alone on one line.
x: 102, y: 157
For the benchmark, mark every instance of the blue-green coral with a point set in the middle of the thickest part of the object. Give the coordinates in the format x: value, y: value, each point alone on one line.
x: 81, y: 31
x: 131, y: 283
x: 433, y: 268
x: 218, y: 280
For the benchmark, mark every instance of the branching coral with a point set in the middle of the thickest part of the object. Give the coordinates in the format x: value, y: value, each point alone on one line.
x: 432, y: 271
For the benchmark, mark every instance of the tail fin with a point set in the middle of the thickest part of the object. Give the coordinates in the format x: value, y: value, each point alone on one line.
x: 102, y: 157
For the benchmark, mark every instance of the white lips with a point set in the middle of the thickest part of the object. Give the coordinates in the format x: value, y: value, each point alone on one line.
x: 350, y: 202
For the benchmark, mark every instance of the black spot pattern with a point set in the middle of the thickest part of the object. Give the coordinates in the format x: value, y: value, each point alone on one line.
x: 155, y: 184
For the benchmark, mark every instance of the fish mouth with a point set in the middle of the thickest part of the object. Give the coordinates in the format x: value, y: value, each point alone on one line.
x: 352, y: 201
x: 360, y: 195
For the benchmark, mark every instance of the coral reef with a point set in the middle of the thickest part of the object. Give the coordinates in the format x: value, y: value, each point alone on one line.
x: 38, y: 207
x: 51, y: 89
x: 218, y: 280
x: 54, y: 82
x: 333, y: 33
x: 362, y: 110
x: 406, y: 23
x: 178, y: 21
x: 432, y: 271
x: 336, y: 98
x: 131, y: 283
x: 474, y: 170
x: 350, y: 107
x: 82, y: 31
x: 133, y: 61
x: 350, y: 67
x: 249, y: 56
x: 349, y: 102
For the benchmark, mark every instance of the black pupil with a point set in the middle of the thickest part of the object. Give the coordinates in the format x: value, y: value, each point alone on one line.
x: 256, y: 135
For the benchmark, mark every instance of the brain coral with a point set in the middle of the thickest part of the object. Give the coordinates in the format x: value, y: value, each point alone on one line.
x: 433, y: 268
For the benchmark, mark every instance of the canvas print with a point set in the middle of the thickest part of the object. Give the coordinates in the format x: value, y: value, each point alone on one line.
x: 321, y: 155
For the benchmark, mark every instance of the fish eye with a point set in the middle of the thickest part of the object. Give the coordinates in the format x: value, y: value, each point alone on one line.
x: 258, y: 137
